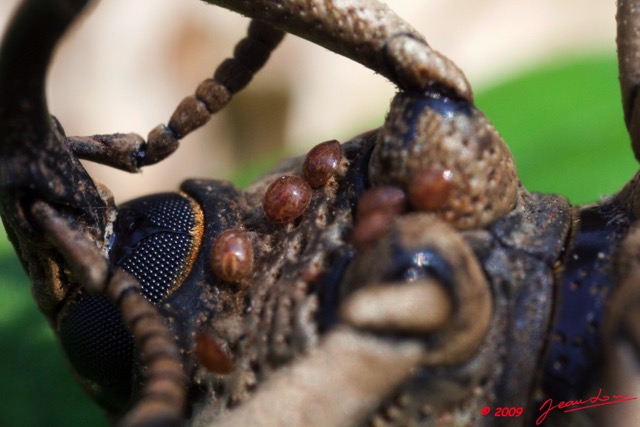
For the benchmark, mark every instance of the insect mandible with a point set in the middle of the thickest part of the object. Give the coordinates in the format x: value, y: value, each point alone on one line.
x: 381, y: 280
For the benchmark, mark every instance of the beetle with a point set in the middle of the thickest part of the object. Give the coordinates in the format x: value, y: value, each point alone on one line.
x: 409, y: 257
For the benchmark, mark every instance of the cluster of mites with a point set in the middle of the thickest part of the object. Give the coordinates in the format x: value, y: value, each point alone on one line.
x: 288, y: 197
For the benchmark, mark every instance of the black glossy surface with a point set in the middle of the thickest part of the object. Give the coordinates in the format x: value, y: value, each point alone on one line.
x: 574, y: 352
x: 442, y: 104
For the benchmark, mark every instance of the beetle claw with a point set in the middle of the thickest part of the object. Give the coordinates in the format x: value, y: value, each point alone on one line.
x: 419, y: 67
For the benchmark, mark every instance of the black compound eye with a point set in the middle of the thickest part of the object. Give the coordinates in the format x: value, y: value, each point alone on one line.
x: 99, y: 347
x: 156, y: 239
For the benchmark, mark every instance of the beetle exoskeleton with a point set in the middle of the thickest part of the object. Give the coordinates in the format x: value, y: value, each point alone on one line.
x: 433, y: 130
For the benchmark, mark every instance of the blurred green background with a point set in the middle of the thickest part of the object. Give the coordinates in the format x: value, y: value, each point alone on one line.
x: 562, y: 120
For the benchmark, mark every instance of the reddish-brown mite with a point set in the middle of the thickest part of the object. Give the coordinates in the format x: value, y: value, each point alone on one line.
x: 370, y: 227
x: 429, y: 189
x: 321, y: 163
x: 232, y: 255
x: 386, y: 198
x: 286, y: 198
x: 376, y: 209
x: 211, y: 356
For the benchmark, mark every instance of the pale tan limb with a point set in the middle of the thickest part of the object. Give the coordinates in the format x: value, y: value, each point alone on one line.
x: 338, y: 383
x: 366, y: 31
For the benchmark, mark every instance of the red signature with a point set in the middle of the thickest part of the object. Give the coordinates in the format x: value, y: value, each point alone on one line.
x: 578, y: 405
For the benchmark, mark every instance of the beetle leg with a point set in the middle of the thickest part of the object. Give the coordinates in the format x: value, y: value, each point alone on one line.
x: 163, y: 394
x: 83, y: 255
x: 628, y: 41
x: 36, y: 163
x: 420, y: 307
x: 361, y: 368
x: 121, y: 151
x: 366, y: 31
x: 129, y: 152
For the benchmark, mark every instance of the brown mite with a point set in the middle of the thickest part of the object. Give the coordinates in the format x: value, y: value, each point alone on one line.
x: 211, y: 356
x: 370, y: 227
x: 232, y: 255
x: 385, y: 198
x: 286, y: 198
x: 376, y: 209
x: 429, y: 189
x: 322, y: 162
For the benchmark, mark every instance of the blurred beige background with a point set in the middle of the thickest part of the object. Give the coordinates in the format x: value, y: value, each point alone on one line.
x: 126, y: 66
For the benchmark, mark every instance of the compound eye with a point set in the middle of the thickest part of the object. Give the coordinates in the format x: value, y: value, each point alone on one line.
x: 99, y: 348
x: 156, y: 239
